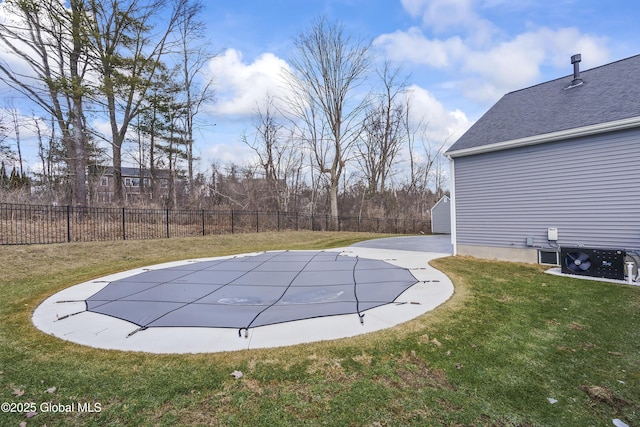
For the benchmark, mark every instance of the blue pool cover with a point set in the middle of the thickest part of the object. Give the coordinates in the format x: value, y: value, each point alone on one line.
x: 252, y: 291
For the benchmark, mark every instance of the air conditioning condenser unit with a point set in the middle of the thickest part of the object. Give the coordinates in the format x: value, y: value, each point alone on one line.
x: 605, y: 263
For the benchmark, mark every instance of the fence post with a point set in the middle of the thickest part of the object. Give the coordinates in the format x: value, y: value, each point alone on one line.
x: 124, y: 233
x: 232, y: 221
x: 278, y: 220
x: 166, y: 220
x: 68, y: 223
x: 203, y: 222
x: 257, y: 221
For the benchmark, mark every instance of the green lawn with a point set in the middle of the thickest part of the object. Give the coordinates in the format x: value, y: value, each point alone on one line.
x: 509, y: 339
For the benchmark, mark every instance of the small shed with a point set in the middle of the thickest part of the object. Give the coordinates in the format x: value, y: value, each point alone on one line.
x: 441, y: 216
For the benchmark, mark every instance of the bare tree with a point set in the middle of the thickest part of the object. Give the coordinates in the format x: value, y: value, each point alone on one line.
x: 5, y: 150
x: 424, y: 154
x: 327, y: 67
x: 279, y: 159
x: 50, y: 153
x: 439, y: 175
x: 423, y: 159
x: 48, y: 40
x: 412, y: 136
x: 16, y: 123
x: 193, y: 59
x: 383, y: 132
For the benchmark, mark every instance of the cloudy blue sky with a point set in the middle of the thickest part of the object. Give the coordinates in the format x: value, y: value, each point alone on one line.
x: 461, y: 55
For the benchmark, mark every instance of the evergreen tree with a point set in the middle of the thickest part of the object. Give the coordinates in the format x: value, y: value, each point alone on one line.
x: 14, y: 180
x: 4, y: 179
x: 25, y: 181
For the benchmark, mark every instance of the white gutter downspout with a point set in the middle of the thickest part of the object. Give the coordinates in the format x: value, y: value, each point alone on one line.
x: 452, y: 205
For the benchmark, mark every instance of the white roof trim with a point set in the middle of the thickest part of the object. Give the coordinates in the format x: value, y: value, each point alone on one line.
x: 550, y: 137
x: 443, y: 199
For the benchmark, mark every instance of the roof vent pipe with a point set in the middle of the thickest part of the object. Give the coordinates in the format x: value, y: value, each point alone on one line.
x: 577, y: 80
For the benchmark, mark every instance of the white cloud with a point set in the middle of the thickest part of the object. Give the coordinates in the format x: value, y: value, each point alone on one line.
x: 486, y: 60
x: 441, y: 16
x: 229, y: 153
x: 510, y: 64
x: 241, y: 87
x: 517, y: 63
x: 563, y: 43
x: 413, y: 46
x: 487, y: 72
x: 102, y: 126
x: 442, y: 125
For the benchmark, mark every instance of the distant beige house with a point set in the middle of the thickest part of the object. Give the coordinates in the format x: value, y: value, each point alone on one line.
x: 138, y: 184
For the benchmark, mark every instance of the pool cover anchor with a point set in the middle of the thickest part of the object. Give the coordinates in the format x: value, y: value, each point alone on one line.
x: 68, y: 315
x: 141, y: 328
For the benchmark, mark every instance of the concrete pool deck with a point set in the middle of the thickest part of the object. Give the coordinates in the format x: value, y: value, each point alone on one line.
x: 64, y: 314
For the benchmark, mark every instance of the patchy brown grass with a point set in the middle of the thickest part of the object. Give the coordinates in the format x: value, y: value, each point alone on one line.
x: 600, y: 394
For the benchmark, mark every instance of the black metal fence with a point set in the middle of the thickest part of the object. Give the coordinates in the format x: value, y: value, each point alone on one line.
x: 37, y: 224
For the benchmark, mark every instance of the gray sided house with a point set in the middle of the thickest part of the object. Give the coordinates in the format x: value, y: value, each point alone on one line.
x: 441, y: 216
x: 553, y: 165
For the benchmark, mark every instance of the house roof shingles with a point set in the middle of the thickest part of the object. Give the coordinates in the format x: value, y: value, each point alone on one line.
x: 135, y: 172
x: 609, y: 93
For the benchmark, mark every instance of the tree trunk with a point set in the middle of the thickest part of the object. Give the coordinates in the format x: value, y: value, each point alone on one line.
x: 117, y: 174
x: 77, y: 119
x: 80, y: 160
x: 333, y: 202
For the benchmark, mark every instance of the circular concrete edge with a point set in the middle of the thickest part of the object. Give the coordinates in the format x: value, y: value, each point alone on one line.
x: 64, y: 314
